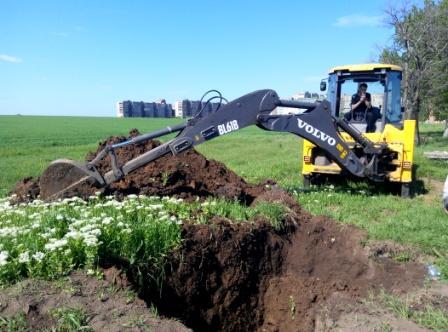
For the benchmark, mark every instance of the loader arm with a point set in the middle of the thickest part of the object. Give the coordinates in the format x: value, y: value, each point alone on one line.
x: 316, y: 125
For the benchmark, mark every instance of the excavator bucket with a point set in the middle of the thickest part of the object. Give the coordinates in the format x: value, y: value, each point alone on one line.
x: 63, y: 178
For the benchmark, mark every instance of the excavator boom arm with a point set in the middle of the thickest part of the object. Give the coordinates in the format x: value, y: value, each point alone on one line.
x: 316, y: 125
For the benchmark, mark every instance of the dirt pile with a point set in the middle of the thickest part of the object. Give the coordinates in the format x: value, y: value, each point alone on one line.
x: 187, y: 175
x: 326, y: 262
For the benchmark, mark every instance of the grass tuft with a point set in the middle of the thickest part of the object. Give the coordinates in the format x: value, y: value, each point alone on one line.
x: 16, y: 323
x: 429, y: 317
x: 70, y: 319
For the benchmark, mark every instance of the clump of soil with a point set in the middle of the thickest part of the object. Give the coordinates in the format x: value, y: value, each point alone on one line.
x: 26, y: 190
x: 187, y: 175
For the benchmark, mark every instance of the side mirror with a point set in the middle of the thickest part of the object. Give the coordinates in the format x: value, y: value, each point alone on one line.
x: 402, y: 109
x: 323, y: 85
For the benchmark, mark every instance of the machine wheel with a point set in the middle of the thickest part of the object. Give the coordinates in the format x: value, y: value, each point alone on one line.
x: 307, y: 181
x: 406, y: 190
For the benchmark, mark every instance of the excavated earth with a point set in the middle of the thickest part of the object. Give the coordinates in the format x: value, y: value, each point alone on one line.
x: 188, y: 175
x: 230, y: 276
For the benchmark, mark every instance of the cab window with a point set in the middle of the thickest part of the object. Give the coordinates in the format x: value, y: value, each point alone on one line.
x: 350, y: 87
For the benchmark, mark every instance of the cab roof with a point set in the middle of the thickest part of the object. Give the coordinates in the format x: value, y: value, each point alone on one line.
x: 365, y: 67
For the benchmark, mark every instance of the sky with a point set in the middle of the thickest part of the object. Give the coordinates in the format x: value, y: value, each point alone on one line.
x: 79, y: 57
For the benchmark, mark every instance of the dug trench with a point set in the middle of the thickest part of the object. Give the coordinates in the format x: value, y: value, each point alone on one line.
x: 248, y: 277
x: 233, y: 276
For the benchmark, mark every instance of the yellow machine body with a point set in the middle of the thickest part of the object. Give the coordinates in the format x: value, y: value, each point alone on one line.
x: 398, y: 134
x: 401, y: 141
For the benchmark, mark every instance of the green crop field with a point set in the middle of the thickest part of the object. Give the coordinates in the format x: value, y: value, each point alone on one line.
x: 28, y: 144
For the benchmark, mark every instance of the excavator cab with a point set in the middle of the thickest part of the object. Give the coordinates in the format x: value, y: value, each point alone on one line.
x: 384, y: 87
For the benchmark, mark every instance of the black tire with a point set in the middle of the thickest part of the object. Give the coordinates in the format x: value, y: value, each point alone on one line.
x: 406, y: 190
x: 307, y: 181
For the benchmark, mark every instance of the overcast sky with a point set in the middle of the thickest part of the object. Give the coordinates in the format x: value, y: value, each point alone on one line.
x: 81, y: 57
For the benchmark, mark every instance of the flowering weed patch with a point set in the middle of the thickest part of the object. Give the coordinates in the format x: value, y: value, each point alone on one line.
x: 50, y: 239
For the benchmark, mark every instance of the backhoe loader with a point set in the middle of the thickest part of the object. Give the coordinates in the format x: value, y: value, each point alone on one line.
x: 316, y: 124
x: 390, y: 129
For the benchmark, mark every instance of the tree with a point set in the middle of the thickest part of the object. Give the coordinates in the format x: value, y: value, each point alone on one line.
x: 420, y: 47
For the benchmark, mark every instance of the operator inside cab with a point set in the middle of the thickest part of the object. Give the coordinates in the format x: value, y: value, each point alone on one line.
x: 361, y: 109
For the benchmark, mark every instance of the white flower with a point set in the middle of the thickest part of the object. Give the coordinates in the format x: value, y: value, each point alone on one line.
x: 10, y: 231
x: 24, y: 257
x: 73, y: 234
x: 87, y: 228
x: 90, y: 241
x: 38, y: 256
x: 54, y: 244
x: 3, y: 257
x: 96, y: 232
x: 35, y: 225
x: 107, y: 221
x: 132, y: 196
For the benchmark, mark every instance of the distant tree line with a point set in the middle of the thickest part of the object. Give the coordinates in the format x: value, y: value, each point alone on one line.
x: 420, y: 47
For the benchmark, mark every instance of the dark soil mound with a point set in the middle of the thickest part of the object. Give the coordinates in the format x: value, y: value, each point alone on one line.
x: 326, y: 260
x: 186, y: 175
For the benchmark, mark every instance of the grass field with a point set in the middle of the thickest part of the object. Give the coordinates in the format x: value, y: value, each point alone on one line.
x: 28, y: 144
